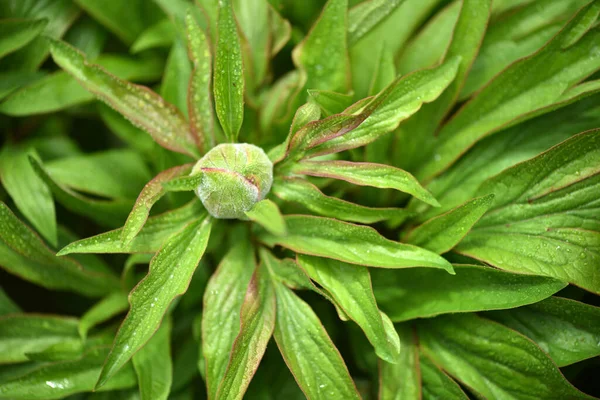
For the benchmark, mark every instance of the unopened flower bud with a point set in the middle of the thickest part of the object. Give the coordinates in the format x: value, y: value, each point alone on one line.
x: 235, y: 176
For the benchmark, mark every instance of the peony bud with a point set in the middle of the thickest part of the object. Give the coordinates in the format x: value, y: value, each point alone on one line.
x: 235, y: 176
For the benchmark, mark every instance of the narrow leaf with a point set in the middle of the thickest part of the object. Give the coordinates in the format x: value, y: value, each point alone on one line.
x: 183, y: 183
x: 229, y: 73
x: 400, y: 379
x: 16, y: 33
x: 440, y: 234
x: 139, y: 104
x: 350, y: 287
x: 285, y: 271
x: 308, y: 351
x: 169, y: 276
x: 350, y: 243
x: 364, y: 16
x: 330, y: 102
x: 110, y: 306
x: 367, y: 174
x: 424, y: 292
x: 177, y: 73
x: 154, y: 366
x: 267, y: 214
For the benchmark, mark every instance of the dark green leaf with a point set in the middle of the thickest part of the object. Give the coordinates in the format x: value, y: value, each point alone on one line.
x: 7, y: 306
x: 400, y: 380
x: 154, y: 366
x: 436, y: 384
x: 16, y: 33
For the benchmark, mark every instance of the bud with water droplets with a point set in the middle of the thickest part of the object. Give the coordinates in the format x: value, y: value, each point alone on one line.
x: 235, y: 176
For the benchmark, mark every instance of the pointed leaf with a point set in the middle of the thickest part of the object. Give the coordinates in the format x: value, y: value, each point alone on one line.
x: 308, y: 351
x: 436, y: 384
x: 168, y: 277
x: 229, y: 73
x: 400, y: 379
x: 350, y: 287
x: 7, y: 306
x: 16, y: 33
x: 30, y: 194
x: 285, y: 271
x: 267, y: 214
x: 492, y: 360
x: 330, y: 102
x: 24, y: 254
x: 367, y: 174
x: 178, y: 70
x: 385, y: 72
x: 223, y: 301
x: 110, y: 306
x: 257, y: 321
x: 545, y: 219
x: 440, y: 234
x: 364, y: 16
x: 565, y: 329
x: 137, y: 103
x: 161, y: 34
x: 424, y: 292
x: 351, y: 243
x: 153, y: 365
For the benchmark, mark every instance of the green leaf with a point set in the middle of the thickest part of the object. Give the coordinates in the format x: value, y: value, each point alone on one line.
x: 178, y: 70
x: 149, y: 240
x: 30, y: 194
x: 545, y: 219
x: 364, y: 16
x: 169, y: 276
x: 94, y: 173
x: 351, y: 243
x: 267, y: 214
x: 104, y: 212
x: 199, y: 99
x: 424, y: 292
x: 285, y: 271
x: 110, y: 306
x: 126, y: 131
x: 257, y: 321
x: 281, y: 31
x: 252, y: 17
x: 61, y: 379
x: 350, y: 287
x: 12, y: 80
x: 367, y: 174
x: 565, y: 329
x: 223, y: 301
x: 7, y: 306
x: 385, y: 72
x: 229, y: 73
x: 139, y: 104
x: 330, y: 102
x: 440, y: 234
x: 16, y: 33
x: 495, y: 361
x: 161, y: 34
x: 153, y: 365
x: 323, y: 54
x: 183, y: 183
x: 307, y: 194
x: 400, y: 379
x: 519, y: 94
x: 21, y: 334
x: 436, y: 384
x: 395, y: 103
x: 150, y: 194
x: 308, y: 351
x: 24, y: 254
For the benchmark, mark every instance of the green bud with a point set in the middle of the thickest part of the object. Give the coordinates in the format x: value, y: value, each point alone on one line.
x: 235, y: 176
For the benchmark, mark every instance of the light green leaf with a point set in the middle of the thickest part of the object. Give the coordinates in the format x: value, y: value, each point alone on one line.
x: 330, y: 102
x: 440, y: 234
x: 150, y: 194
x: 307, y: 194
x: 21, y: 334
x: 7, y: 306
x: 351, y: 243
x: 30, y: 194
x: 183, y: 183
x: 61, y: 379
x: 395, y: 103
x: 305, y: 114
x: 154, y: 366
x: 367, y: 174
x: 400, y: 379
x: 161, y: 34
x: 223, y: 301
x: 495, y: 361
x: 364, y: 16
x: 169, y: 276
x: 12, y: 80
x: 424, y: 292
x: 95, y: 173
x: 545, y: 218
x: 308, y: 351
x: 436, y: 384
x: 199, y: 98
x: 252, y: 17
x: 323, y: 54
x: 286, y: 271
x: 126, y: 131
x: 174, y: 85
x: 16, y: 33
x: 229, y: 73
x: 267, y: 214
x: 149, y: 240
x: 565, y: 329
x: 385, y: 72
x: 139, y: 104
x: 110, y: 306
x: 350, y: 287
x: 281, y: 31
x: 257, y: 321
x: 519, y: 94
x: 24, y: 254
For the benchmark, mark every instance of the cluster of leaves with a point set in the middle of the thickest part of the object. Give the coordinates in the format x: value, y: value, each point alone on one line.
x: 465, y: 132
